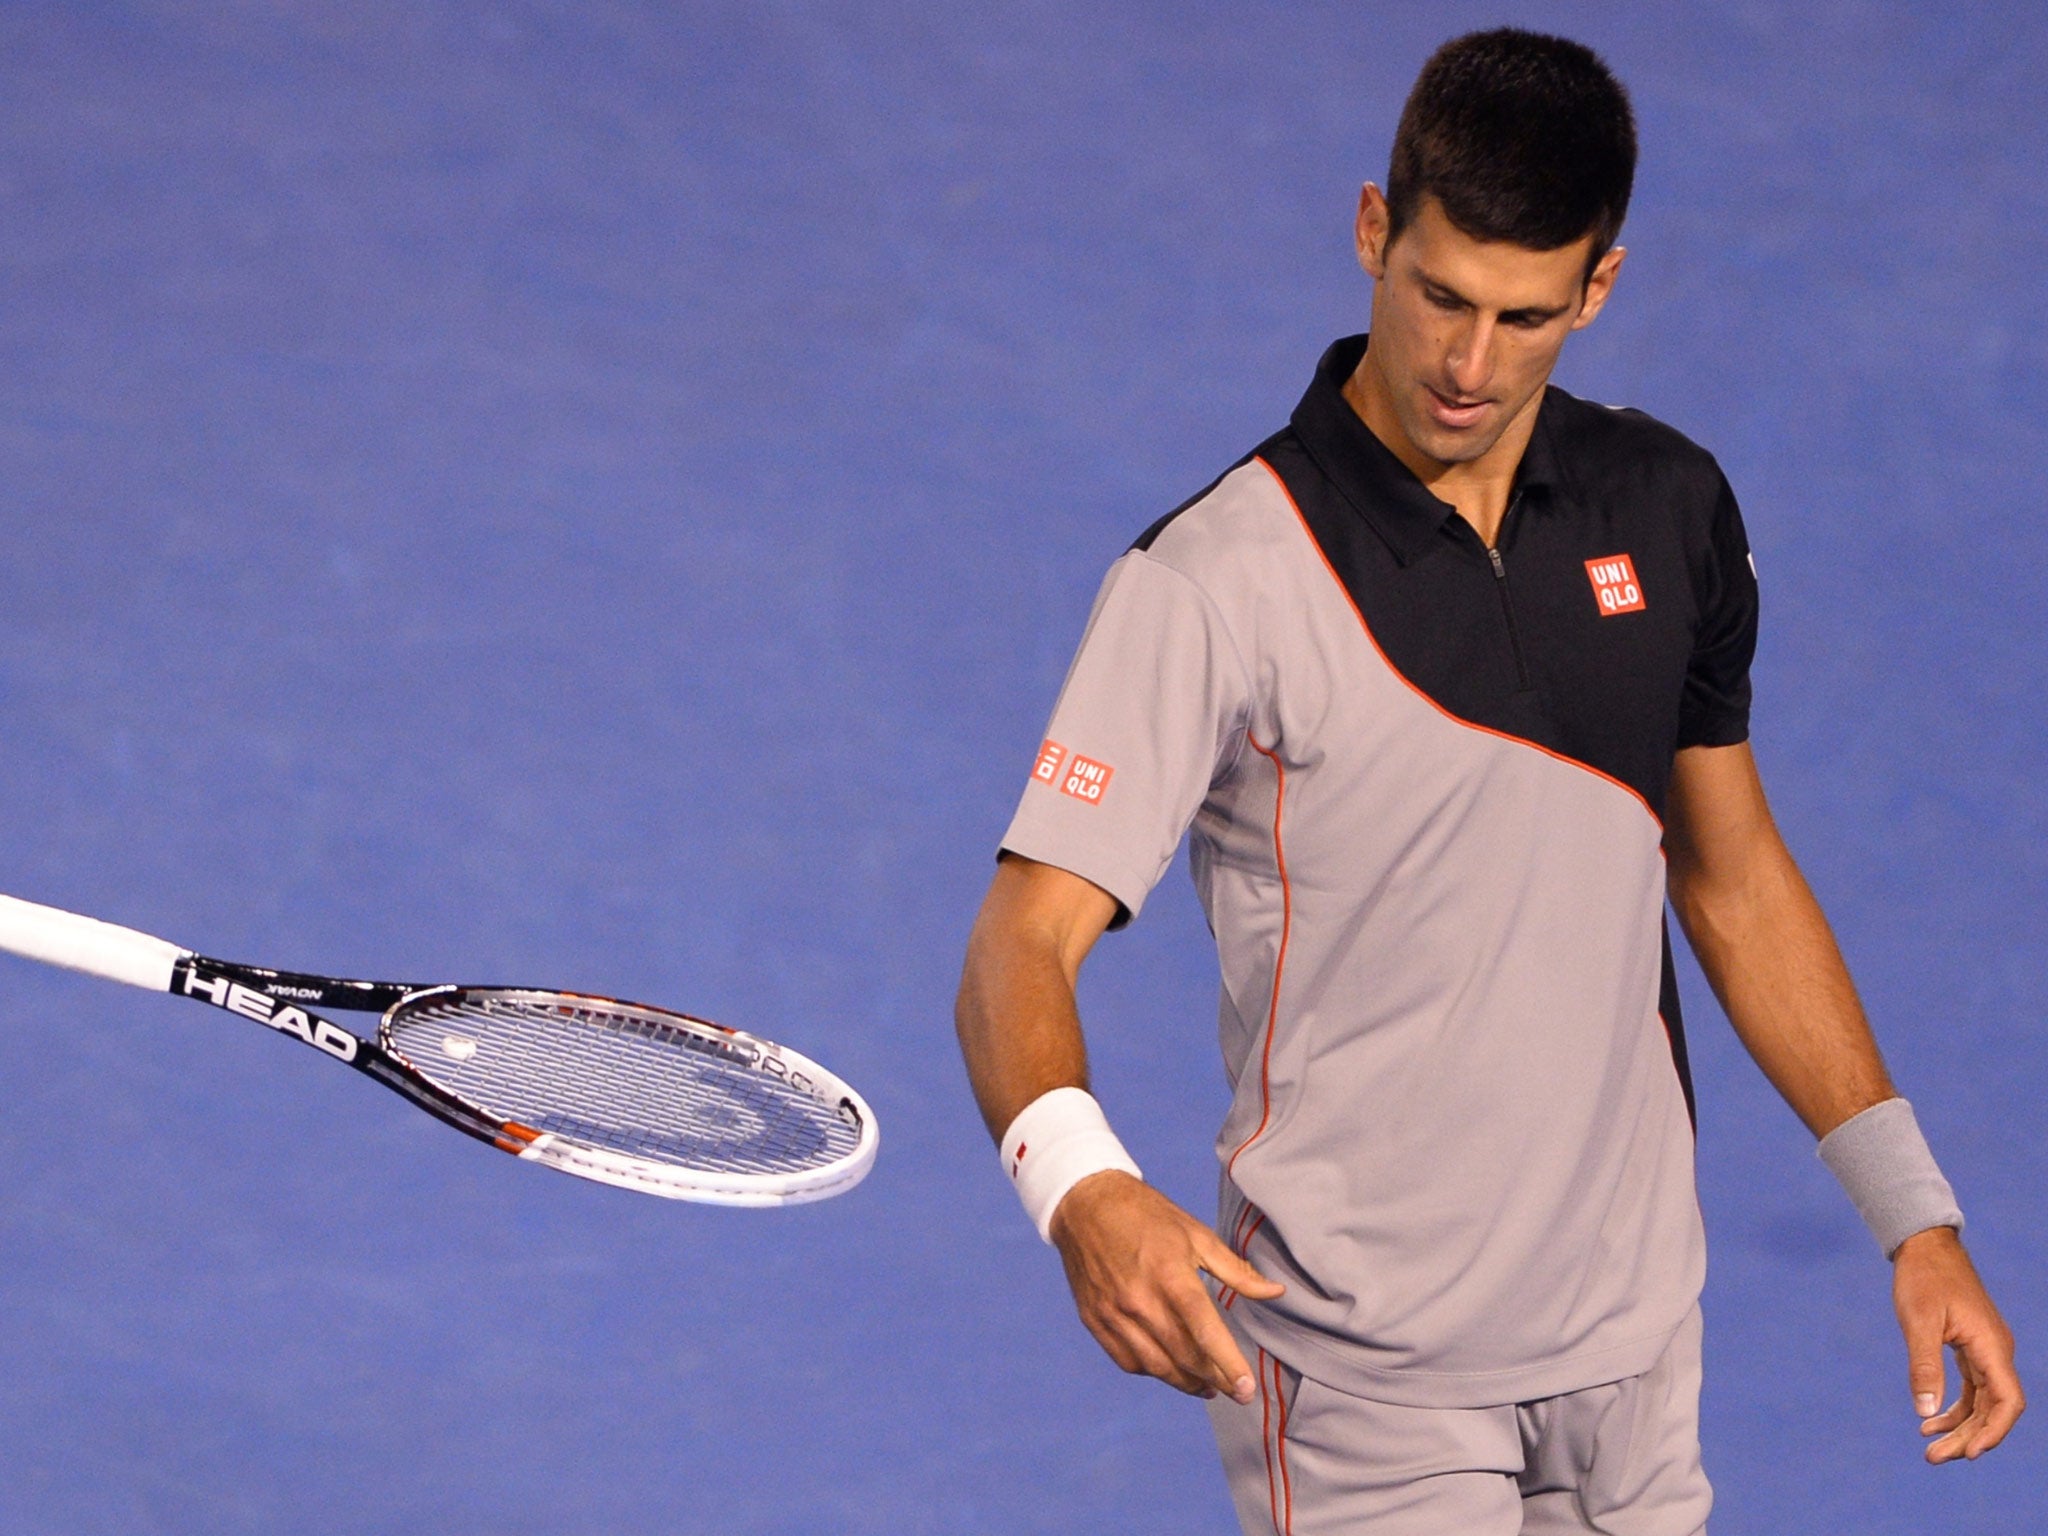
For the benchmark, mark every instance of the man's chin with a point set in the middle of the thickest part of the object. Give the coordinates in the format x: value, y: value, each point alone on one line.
x: 1448, y: 446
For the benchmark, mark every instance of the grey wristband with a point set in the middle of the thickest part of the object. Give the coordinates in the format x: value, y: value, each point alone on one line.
x: 1883, y: 1162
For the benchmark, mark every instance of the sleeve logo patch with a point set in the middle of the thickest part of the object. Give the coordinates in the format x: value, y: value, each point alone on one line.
x: 1047, y: 769
x: 1614, y: 585
x: 1086, y: 780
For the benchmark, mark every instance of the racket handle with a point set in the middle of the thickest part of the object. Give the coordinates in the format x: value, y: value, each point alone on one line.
x: 87, y: 944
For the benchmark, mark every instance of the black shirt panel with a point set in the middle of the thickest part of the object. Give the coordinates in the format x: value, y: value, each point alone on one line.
x: 1525, y: 646
x: 1674, y: 1028
x: 1146, y: 539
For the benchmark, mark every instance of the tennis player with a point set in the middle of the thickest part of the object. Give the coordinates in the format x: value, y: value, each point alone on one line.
x: 1450, y: 680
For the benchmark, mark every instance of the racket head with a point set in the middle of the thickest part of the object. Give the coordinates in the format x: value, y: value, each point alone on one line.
x: 639, y: 1097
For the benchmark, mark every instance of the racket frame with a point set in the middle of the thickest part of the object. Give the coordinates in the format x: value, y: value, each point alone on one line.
x: 286, y: 1001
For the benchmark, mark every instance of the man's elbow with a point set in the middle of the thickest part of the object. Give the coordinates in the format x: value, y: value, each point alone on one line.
x: 1749, y: 882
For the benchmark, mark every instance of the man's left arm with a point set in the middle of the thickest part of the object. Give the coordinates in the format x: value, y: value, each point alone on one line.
x: 1766, y: 949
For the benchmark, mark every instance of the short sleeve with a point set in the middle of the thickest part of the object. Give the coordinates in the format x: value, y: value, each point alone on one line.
x: 1152, y: 710
x: 1715, y: 709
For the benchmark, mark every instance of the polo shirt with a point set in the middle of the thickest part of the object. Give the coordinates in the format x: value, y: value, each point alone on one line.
x: 1423, y: 784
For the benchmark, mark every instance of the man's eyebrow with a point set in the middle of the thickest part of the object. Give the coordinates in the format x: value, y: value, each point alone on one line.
x: 1443, y: 288
x: 1535, y: 312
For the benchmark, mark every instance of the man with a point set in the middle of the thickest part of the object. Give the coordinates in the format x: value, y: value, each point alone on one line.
x: 1441, y: 676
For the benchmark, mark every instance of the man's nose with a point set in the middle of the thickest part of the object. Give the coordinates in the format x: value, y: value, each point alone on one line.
x: 1471, y: 359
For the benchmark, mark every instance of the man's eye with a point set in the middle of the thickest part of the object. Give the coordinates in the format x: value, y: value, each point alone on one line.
x: 1444, y: 301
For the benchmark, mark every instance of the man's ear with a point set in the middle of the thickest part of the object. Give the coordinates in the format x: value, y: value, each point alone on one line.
x: 1370, y: 232
x: 1598, y: 286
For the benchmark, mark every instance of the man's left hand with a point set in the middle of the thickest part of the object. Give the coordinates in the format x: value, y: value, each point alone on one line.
x: 1941, y: 1302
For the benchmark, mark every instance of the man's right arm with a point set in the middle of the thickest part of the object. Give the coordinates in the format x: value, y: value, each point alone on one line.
x: 1133, y: 1257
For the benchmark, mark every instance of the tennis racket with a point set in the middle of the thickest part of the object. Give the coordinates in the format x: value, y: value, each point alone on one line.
x: 624, y: 1094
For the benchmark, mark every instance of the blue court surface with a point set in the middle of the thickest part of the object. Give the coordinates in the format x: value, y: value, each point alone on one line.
x: 603, y: 495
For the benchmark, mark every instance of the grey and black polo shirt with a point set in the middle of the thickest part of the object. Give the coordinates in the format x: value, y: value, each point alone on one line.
x: 1424, y: 785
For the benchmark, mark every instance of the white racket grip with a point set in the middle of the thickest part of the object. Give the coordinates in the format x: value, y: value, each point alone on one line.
x: 87, y: 944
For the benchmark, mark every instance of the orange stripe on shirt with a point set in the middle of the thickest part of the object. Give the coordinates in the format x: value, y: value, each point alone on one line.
x: 1243, y: 1251
x: 1279, y: 962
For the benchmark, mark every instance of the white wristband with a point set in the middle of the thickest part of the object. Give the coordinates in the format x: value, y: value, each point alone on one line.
x: 1056, y: 1141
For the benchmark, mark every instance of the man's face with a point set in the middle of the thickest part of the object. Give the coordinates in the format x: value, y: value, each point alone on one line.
x: 1465, y: 332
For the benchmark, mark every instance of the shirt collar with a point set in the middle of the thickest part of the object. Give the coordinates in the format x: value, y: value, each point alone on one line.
x: 1383, y: 489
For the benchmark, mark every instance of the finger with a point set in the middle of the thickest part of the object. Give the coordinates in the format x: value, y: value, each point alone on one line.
x: 1149, y: 1323
x: 2000, y: 1400
x: 1224, y: 1363
x: 1947, y: 1419
x: 1952, y: 1426
x: 1966, y: 1414
x: 1959, y: 1410
x: 1233, y: 1271
x: 1924, y: 1365
x: 1200, y: 1344
x: 1148, y: 1357
x: 1113, y: 1345
x: 1125, y: 1339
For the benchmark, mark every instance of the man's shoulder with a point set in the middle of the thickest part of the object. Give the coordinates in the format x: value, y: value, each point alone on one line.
x: 1618, y: 449
x: 1242, y: 509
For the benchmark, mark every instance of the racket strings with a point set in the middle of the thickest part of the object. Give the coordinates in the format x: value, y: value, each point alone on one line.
x: 629, y: 1082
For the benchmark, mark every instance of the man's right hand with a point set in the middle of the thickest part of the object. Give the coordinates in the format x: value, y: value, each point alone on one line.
x: 1135, y: 1260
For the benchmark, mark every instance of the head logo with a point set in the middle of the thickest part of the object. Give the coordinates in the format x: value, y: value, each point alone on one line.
x: 1615, y: 587
x: 260, y: 1006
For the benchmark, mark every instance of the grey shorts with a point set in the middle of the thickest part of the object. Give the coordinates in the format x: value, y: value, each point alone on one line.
x: 1622, y: 1459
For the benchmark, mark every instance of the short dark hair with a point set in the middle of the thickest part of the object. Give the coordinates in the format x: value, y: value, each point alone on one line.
x: 1521, y: 137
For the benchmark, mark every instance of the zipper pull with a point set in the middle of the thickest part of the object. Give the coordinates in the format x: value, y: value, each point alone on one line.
x: 1500, y: 571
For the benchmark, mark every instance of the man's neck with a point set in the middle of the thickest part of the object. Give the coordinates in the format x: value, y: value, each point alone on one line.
x: 1478, y: 488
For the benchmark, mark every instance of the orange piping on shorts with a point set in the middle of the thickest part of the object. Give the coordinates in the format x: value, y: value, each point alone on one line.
x: 1266, y: 1443
x: 1286, y: 1524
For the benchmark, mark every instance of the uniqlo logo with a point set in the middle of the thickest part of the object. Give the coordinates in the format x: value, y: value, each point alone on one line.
x: 1047, y: 769
x: 1614, y: 585
x: 1086, y: 780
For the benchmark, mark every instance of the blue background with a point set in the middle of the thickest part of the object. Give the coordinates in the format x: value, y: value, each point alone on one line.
x: 603, y: 494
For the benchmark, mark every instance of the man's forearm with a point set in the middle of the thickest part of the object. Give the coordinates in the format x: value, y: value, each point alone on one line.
x: 1772, y: 960
x: 1019, y: 1029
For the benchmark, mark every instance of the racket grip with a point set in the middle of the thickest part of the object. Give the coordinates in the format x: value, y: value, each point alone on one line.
x: 87, y: 944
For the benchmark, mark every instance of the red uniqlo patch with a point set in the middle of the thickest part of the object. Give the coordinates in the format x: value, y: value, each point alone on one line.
x: 1615, y: 585
x: 1086, y: 779
x: 1047, y: 769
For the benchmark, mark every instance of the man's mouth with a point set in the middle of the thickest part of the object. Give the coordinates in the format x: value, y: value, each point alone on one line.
x: 1452, y: 412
